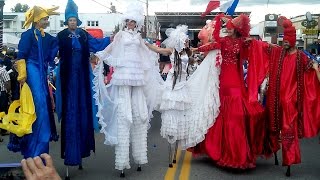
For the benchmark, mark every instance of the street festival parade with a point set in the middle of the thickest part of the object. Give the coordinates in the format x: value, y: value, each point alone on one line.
x: 172, y: 89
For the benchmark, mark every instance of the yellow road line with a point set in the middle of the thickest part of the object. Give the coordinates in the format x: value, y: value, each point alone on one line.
x: 171, y: 172
x: 186, y: 166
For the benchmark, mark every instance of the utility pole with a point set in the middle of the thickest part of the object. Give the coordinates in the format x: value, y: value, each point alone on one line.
x: 1, y: 24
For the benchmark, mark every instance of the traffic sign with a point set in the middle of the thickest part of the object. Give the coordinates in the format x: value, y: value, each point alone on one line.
x: 310, y: 31
x: 309, y: 24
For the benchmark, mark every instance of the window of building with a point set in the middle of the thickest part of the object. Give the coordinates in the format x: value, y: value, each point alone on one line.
x: 61, y: 23
x: 6, y: 24
x: 22, y: 23
x: 92, y: 23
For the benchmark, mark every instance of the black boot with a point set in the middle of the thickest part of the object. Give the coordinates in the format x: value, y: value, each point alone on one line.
x: 122, y: 174
x: 139, y: 168
x: 80, y: 167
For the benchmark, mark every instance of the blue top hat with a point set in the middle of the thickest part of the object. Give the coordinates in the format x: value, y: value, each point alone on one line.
x: 72, y: 11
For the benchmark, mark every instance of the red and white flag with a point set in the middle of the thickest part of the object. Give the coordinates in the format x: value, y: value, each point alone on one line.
x: 212, y: 5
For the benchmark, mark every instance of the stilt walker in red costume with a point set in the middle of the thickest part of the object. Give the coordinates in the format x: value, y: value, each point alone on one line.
x: 236, y: 137
x: 293, y: 98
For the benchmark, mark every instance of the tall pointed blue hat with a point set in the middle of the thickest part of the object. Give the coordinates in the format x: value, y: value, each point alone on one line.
x: 71, y: 11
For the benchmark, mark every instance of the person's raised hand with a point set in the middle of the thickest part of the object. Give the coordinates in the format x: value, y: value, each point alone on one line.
x: 315, y: 66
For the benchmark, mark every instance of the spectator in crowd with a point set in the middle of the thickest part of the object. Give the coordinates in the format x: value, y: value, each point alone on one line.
x: 5, y: 87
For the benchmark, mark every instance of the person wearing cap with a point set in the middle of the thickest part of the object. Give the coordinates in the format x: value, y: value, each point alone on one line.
x: 236, y: 137
x: 36, y: 50
x: 293, y: 95
x: 125, y: 106
x: 78, y: 119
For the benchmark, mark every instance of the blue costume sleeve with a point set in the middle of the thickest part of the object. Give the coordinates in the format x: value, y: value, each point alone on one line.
x: 98, y: 44
x: 25, y: 45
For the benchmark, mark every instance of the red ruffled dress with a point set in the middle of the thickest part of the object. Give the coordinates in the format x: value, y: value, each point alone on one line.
x: 237, y: 135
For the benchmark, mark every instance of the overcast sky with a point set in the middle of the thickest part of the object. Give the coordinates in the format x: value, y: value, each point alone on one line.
x: 258, y: 8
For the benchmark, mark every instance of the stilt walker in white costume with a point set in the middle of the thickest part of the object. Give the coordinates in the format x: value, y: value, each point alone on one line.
x: 125, y: 106
x: 188, y: 107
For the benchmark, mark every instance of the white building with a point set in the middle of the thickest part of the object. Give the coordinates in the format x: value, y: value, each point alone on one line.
x: 13, y: 22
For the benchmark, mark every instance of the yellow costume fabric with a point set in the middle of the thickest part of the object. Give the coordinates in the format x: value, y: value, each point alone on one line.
x: 37, y: 13
x: 20, y: 123
x: 21, y: 68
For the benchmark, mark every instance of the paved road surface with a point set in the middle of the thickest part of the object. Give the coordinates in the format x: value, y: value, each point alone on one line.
x: 101, y: 164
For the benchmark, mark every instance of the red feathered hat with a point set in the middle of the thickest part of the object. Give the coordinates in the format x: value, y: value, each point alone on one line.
x: 289, y: 31
x: 240, y: 24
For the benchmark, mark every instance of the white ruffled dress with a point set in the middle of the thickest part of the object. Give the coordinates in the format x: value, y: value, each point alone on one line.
x: 125, y: 105
x: 190, y: 109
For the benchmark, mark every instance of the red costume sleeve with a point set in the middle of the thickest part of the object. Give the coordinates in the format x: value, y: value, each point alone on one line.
x: 257, y: 58
x: 209, y: 47
x: 311, y: 101
x: 257, y: 69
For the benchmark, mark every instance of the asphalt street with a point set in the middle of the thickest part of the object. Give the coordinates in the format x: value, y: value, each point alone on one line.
x: 100, y: 165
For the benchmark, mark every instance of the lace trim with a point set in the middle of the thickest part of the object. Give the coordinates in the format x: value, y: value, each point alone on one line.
x: 98, y: 84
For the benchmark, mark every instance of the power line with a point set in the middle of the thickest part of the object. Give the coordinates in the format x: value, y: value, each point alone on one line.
x: 102, y: 4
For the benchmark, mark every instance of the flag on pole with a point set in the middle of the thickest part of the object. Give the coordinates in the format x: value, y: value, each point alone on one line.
x: 212, y: 5
x: 229, y: 7
x: 224, y: 7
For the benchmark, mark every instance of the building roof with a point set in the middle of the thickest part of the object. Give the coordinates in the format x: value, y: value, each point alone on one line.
x: 9, y: 17
x: 192, y: 19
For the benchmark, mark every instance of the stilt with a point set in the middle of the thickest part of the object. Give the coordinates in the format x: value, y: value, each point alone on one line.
x: 122, y: 174
x: 175, y: 153
x: 139, y: 168
x: 288, y: 173
x: 67, y: 174
x: 276, y: 162
x: 170, y: 156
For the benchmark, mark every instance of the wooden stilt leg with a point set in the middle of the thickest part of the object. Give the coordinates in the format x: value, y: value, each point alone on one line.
x: 67, y: 174
x: 276, y: 162
x: 170, y: 156
x: 288, y: 173
x: 175, y: 153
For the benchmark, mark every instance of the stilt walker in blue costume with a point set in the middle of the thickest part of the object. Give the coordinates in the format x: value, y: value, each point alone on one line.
x: 36, y: 50
x: 77, y: 124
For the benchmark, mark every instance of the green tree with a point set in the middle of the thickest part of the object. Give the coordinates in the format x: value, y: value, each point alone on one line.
x: 20, y: 8
x: 116, y: 29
